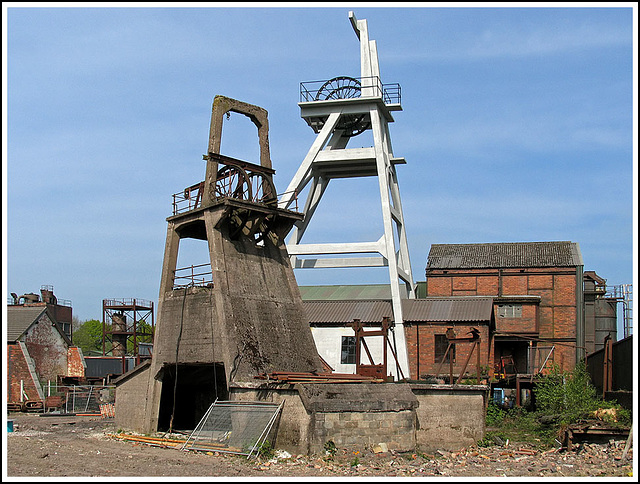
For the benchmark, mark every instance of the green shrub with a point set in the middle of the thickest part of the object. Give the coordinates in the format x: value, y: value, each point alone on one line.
x: 570, y: 395
x: 266, y: 450
x: 495, y: 415
x: 330, y: 448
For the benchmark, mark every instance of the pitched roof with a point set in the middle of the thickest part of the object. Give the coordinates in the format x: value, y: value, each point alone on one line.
x: 472, y: 308
x: 509, y: 254
x: 345, y: 311
x: 19, y: 318
x: 469, y: 308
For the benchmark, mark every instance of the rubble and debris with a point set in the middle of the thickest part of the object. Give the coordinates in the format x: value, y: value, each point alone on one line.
x: 62, y: 443
x: 591, y: 431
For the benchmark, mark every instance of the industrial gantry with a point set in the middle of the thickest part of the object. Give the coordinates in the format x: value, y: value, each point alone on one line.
x: 338, y: 110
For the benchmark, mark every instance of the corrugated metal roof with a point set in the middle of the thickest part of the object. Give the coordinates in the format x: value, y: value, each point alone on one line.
x: 509, y: 254
x: 346, y: 311
x: 345, y: 292
x: 19, y: 318
x: 471, y: 308
x: 448, y: 309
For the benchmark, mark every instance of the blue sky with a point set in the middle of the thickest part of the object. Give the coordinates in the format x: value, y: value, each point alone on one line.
x: 517, y: 125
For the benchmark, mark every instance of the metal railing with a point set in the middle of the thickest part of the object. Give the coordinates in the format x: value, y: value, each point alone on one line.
x: 337, y: 88
x: 141, y: 303
x: 191, y: 198
x: 194, y: 275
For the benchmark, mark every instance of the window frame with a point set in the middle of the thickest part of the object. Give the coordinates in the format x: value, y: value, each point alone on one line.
x: 509, y: 310
x: 348, y: 350
x: 441, y: 342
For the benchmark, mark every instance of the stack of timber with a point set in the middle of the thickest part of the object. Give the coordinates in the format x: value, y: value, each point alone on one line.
x: 316, y: 377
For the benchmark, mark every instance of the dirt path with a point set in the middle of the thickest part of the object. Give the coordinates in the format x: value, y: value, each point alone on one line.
x: 81, y: 446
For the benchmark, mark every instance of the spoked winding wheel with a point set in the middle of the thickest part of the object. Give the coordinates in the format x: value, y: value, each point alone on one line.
x: 344, y: 87
x: 262, y: 189
x: 233, y: 182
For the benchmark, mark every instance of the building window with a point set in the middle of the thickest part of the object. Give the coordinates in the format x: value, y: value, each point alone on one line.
x: 441, y: 344
x: 509, y: 310
x: 348, y: 351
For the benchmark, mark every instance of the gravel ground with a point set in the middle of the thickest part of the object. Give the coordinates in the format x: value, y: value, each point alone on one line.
x: 81, y: 446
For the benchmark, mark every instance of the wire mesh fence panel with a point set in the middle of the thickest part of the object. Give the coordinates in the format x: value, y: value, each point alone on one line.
x: 78, y: 398
x: 234, y: 427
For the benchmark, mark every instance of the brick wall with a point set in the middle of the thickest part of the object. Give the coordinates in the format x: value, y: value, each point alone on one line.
x: 554, y: 318
x: 527, y: 323
x: 18, y: 369
x: 420, y: 338
x: 75, y: 362
x: 47, y: 348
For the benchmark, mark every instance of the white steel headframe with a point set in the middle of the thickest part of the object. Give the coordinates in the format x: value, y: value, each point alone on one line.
x: 329, y: 158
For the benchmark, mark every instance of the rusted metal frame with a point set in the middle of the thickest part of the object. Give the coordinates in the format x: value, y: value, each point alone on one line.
x: 360, y: 333
x: 386, y: 323
x: 245, y: 165
x: 384, y: 332
x: 444, y: 357
x: 198, y: 188
x: 476, y: 343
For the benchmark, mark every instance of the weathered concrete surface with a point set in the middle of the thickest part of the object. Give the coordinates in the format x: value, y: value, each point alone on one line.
x: 405, y: 417
x: 357, y: 397
x: 449, y: 417
x: 131, y: 396
x: 360, y: 415
x: 251, y: 319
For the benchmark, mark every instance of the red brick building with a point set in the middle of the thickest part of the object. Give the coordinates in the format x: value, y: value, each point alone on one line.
x: 537, y: 291
x: 38, y: 351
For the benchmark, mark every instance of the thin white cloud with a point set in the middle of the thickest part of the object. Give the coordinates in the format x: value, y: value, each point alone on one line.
x: 504, y: 42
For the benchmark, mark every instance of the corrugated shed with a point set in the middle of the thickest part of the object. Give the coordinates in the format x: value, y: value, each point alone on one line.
x: 414, y: 310
x: 448, y: 309
x: 19, y: 318
x: 346, y: 311
x: 509, y: 254
x: 345, y: 292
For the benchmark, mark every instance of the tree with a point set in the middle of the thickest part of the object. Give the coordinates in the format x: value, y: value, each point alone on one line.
x: 88, y: 337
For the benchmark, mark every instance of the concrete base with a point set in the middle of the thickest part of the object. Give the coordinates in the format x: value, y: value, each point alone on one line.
x: 405, y: 417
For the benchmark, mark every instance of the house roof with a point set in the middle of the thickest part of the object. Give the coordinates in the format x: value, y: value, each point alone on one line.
x: 509, y: 254
x: 20, y: 319
x: 345, y: 311
x: 470, y: 308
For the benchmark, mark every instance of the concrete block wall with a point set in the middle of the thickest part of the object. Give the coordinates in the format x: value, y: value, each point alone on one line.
x: 440, y: 417
x: 361, y: 430
x: 449, y: 418
x: 131, y: 398
x: 306, y: 429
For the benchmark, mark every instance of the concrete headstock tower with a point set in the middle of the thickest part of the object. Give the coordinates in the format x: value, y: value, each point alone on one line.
x: 237, y: 315
x: 338, y: 110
